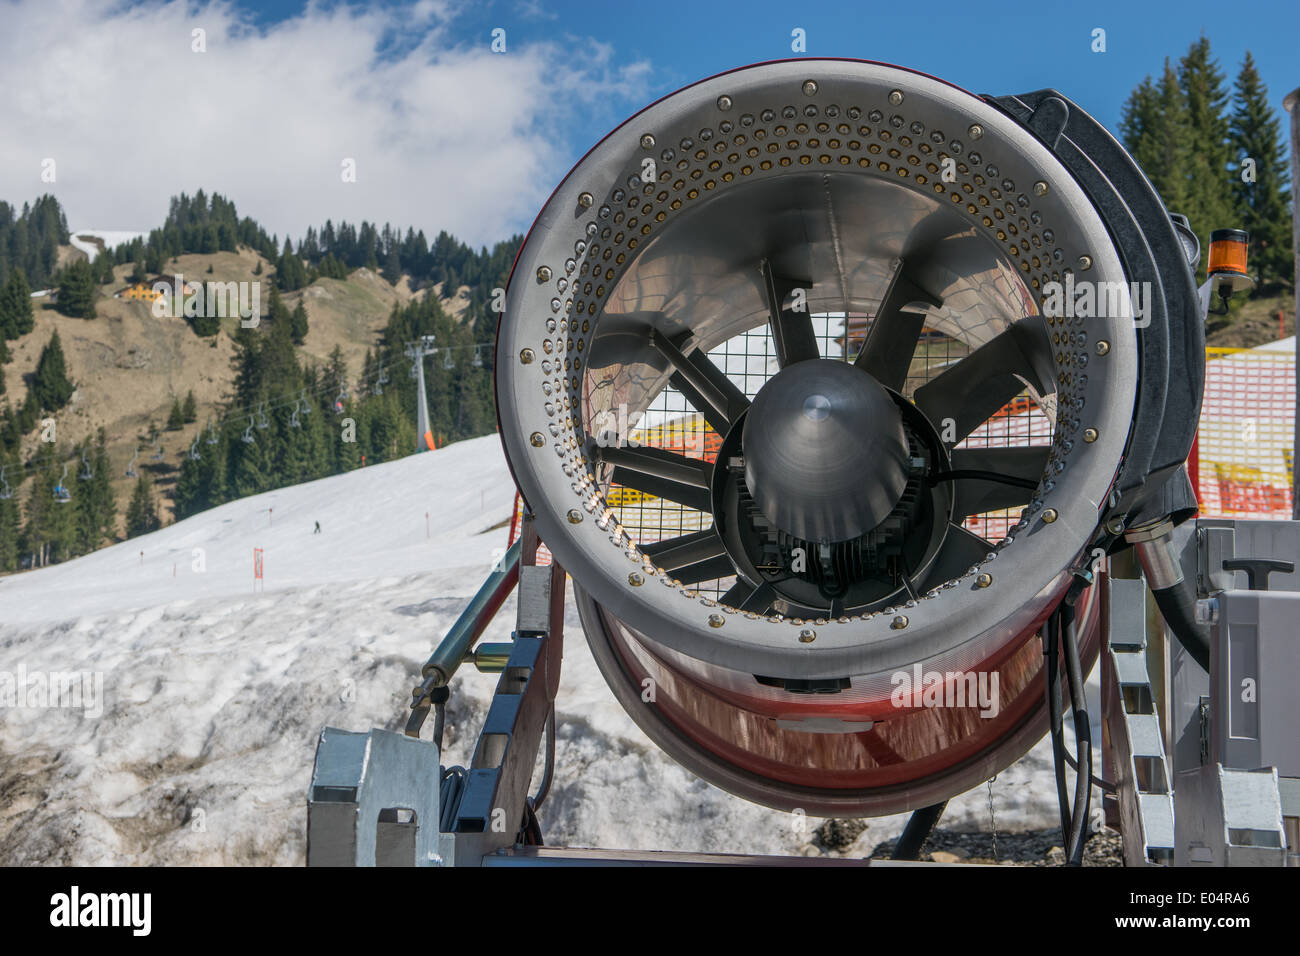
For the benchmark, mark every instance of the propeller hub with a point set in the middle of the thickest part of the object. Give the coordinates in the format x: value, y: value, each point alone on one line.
x: 826, y: 457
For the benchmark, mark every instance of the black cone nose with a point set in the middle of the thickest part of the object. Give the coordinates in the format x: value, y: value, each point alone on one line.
x: 826, y: 457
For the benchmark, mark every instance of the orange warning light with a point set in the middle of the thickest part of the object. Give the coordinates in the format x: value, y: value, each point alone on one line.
x: 1228, y: 251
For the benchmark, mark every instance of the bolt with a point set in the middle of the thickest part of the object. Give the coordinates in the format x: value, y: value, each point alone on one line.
x: 1049, y: 516
x: 809, y: 87
x: 807, y: 636
x: 526, y: 356
x: 724, y: 103
x: 585, y: 200
x: 899, y: 622
x: 896, y: 97
x: 544, y: 274
x: 1040, y: 188
x: 716, y: 620
x: 976, y: 131
x: 1103, y: 347
x: 1085, y: 263
x: 1090, y: 435
x: 574, y: 516
x: 647, y: 141
x: 635, y: 580
x: 1115, y: 526
x: 984, y: 580
x: 537, y: 439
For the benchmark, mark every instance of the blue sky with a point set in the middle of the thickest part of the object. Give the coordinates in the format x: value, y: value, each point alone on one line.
x: 446, y: 134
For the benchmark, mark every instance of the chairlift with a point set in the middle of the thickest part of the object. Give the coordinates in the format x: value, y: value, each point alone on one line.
x: 194, y: 449
x: 478, y: 357
x: 61, y: 494
x: 130, y: 466
x: 306, y: 406
x: 86, y: 471
x: 339, y: 398
x: 447, y: 362
x: 212, y: 433
x: 157, y: 449
x: 5, y: 491
x: 261, y: 416
x: 247, y: 437
x: 293, y: 417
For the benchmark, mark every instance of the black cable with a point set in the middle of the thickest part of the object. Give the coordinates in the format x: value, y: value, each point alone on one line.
x: 1082, y: 740
x: 449, y: 793
x: 919, y: 827
x: 998, y: 477
x: 1177, y: 606
x: 1051, y: 666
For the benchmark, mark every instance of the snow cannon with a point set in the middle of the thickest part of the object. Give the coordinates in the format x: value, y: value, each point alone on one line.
x: 828, y: 382
x: 857, y: 409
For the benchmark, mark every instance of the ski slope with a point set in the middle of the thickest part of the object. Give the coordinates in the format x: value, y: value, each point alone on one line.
x: 213, y: 694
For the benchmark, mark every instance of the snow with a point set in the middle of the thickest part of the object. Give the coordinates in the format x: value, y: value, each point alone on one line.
x: 112, y: 238
x: 213, y: 694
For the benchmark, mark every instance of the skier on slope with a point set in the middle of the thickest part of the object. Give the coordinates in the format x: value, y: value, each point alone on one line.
x: 317, y: 531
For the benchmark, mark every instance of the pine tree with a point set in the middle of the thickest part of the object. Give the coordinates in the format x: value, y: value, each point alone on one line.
x: 10, y: 520
x: 1210, y: 188
x: 141, y: 513
x: 190, y: 408
x: 298, y: 324
x: 78, y: 291
x: 176, y: 417
x: 1264, y: 204
x: 50, y: 386
x: 16, y: 317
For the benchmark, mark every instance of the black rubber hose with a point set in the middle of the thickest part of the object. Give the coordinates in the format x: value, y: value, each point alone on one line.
x: 1178, y: 607
x: 918, y: 830
x: 1082, y: 739
x: 1051, y: 667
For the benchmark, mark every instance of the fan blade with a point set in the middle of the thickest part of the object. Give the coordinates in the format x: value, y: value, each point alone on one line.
x: 973, y: 390
x: 662, y: 474
x: 895, y: 332
x: 673, y: 553
x: 961, y: 549
x: 746, y: 597
x: 974, y: 496
x: 792, y: 331
x: 705, y: 385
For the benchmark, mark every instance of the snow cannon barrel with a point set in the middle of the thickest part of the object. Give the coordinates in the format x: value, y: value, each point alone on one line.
x: 825, y: 380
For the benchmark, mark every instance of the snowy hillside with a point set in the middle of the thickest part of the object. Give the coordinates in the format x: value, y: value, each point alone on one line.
x: 213, y: 695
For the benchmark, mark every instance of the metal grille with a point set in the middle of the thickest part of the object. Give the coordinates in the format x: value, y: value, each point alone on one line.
x: 749, y: 360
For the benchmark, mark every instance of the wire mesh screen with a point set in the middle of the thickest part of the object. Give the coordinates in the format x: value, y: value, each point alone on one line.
x: 1246, y: 444
x: 749, y: 360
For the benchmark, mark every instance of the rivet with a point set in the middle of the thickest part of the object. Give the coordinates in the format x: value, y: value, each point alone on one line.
x: 984, y: 580
x: 1040, y: 188
x: 896, y: 97
x: 526, y: 356
x: 716, y: 620
x: 809, y: 87
x: 574, y: 516
x: 1115, y: 525
x: 1085, y: 263
x: 1090, y: 435
x: 899, y: 622
x: 647, y: 141
x: 1049, y: 516
x: 634, y: 579
x: 807, y: 636
x: 537, y: 439
x: 724, y: 102
x: 544, y: 274
x: 976, y: 131
x: 585, y: 200
x: 1103, y: 347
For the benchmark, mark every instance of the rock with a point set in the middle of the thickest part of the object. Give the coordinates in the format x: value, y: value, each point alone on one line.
x: 947, y: 856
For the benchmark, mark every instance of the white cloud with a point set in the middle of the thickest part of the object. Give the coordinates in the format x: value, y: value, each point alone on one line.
x: 445, y: 133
